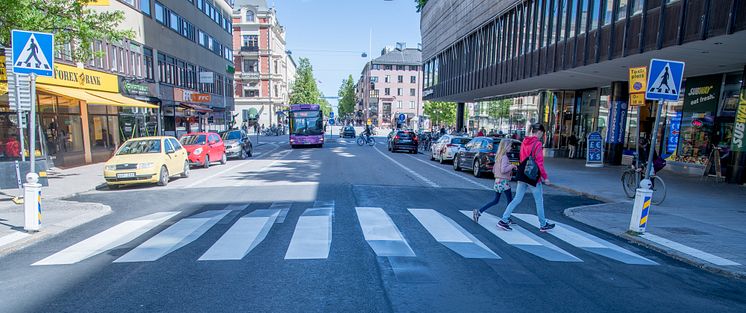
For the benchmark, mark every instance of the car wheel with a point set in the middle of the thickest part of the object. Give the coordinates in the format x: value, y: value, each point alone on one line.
x: 477, y: 169
x: 163, y: 180
x: 224, y: 159
x: 185, y: 173
x: 455, y: 164
x: 207, y: 162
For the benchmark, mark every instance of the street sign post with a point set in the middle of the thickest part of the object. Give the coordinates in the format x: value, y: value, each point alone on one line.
x: 595, y: 150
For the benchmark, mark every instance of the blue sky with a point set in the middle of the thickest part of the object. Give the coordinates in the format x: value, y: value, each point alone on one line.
x: 341, y: 28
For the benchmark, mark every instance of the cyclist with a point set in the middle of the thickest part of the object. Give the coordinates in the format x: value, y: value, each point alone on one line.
x: 367, y: 133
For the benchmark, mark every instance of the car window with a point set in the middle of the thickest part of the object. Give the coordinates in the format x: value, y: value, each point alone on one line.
x: 193, y: 140
x: 232, y: 135
x: 140, y: 146
x: 175, y: 143
x: 459, y: 141
x: 404, y: 135
x: 169, y: 146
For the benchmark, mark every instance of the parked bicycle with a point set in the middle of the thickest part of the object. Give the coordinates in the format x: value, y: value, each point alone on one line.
x: 362, y: 140
x: 631, y: 181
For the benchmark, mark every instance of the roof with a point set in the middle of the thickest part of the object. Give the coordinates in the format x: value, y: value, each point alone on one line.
x: 261, y: 4
x: 408, y: 56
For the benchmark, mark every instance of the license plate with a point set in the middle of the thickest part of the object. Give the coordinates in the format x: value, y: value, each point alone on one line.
x: 405, y: 141
x: 514, y: 163
x: 125, y: 175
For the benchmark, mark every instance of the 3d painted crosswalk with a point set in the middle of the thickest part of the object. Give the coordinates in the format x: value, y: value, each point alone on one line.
x: 243, y: 228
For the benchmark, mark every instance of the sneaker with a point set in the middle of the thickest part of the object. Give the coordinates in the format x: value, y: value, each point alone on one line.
x: 475, y: 215
x: 503, y: 225
x: 546, y: 227
x: 511, y: 221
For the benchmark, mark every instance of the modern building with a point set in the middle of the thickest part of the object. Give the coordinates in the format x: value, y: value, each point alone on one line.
x: 575, y: 56
x: 391, y: 85
x: 265, y: 69
x: 173, y: 76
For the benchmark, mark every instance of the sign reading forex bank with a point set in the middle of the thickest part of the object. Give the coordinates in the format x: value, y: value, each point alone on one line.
x: 75, y: 77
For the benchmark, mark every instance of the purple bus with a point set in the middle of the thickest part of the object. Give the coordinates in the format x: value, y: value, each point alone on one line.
x: 306, y: 125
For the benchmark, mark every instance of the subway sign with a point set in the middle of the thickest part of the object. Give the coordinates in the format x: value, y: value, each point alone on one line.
x: 739, y: 128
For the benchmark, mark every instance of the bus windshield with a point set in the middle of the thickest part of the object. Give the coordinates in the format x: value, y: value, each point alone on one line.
x: 306, y: 123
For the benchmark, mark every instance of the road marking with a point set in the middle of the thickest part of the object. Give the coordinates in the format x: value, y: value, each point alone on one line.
x: 111, y: 238
x: 242, y: 237
x: 281, y: 155
x: 284, y: 208
x: 714, y: 259
x: 524, y: 240
x: 381, y: 233
x: 312, y: 237
x: 174, y: 237
x: 453, y: 173
x: 408, y: 170
x: 15, y: 236
x: 242, y: 163
x: 451, y: 235
x: 237, y: 206
x: 589, y: 242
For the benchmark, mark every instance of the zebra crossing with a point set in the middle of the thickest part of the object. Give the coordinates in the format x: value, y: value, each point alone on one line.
x: 312, y: 235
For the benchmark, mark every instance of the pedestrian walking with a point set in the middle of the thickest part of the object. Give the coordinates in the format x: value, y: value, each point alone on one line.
x: 530, y: 174
x: 503, y: 171
x: 572, y: 144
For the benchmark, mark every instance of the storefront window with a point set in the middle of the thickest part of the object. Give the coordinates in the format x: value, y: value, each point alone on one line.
x: 104, y: 130
x: 603, y: 112
x: 701, y: 98
x: 61, y: 124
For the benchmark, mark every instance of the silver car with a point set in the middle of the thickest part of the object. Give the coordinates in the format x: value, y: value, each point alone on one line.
x: 446, y: 147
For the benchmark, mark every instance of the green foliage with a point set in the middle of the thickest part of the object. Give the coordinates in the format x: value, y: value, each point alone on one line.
x: 420, y: 4
x: 346, y: 97
x: 326, y: 107
x: 305, y: 89
x: 441, y: 113
x: 499, y: 109
x: 71, y: 21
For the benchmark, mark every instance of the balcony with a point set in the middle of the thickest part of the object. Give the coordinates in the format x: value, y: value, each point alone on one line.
x: 249, y: 75
x: 249, y: 51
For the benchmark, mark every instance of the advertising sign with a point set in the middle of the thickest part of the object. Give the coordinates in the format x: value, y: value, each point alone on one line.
x: 673, y: 135
x: 206, y: 78
x: 75, y: 77
x: 201, y: 97
x: 739, y: 127
x: 595, y: 152
x: 617, y: 122
x: 702, y: 93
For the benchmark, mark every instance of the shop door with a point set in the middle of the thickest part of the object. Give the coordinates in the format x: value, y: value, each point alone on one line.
x: 586, y: 118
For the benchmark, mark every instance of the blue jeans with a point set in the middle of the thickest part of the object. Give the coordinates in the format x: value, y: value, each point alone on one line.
x: 538, y: 199
x: 508, y: 195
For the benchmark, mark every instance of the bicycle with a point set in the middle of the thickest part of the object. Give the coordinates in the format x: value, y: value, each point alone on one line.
x: 362, y: 140
x: 631, y: 180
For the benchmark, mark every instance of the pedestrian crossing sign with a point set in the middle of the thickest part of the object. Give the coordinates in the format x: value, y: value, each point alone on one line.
x: 664, y: 81
x: 33, y: 52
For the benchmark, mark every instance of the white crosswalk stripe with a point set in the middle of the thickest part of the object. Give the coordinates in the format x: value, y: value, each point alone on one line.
x: 381, y: 233
x: 451, y: 235
x: 589, y: 242
x: 312, y: 237
x: 242, y: 237
x: 174, y: 237
x: 524, y: 240
x: 108, y: 239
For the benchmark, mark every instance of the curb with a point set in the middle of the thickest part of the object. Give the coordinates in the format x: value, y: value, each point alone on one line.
x: 56, y: 229
x: 715, y: 269
x: 583, y: 194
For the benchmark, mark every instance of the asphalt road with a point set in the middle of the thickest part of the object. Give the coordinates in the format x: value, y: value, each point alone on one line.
x: 342, y: 229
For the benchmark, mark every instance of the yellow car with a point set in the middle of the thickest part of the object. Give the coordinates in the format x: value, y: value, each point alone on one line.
x: 147, y: 160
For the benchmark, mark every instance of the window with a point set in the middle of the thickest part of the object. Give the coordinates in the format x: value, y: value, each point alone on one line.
x: 636, y: 6
x: 173, y: 21
x: 276, y: 93
x: 251, y: 41
x: 412, y: 92
x: 249, y: 16
x: 400, y: 79
x: 547, y: 23
x: 145, y: 7
x: 160, y: 13
x: 413, y: 68
x: 387, y: 67
x: 200, y: 4
x: 148, y: 55
x: 398, y: 104
x: 593, y: 10
x: 387, y: 91
x: 201, y: 37
x: 562, y: 14
x: 399, y: 92
x: 387, y: 79
x: 209, y: 43
x: 609, y: 7
x: 413, y: 79
x: 277, y: 67
x: 400, y: 67
x: 411, y: 104
x: 621, y: 11
x: 573, y: 17
x: 583, y: 17
x: 374, y: 79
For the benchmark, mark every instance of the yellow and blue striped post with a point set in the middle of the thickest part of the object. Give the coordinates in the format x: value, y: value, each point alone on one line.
x: 641, y: 210
x: 32, y: 203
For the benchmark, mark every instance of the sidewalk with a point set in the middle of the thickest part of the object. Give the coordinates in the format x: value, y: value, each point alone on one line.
x: 57, y: 215
x: 700, y: 222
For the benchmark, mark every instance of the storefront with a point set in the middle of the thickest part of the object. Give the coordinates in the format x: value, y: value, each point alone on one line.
x: 136, y: 122
x: 187, y: 113
x: 78, y: 116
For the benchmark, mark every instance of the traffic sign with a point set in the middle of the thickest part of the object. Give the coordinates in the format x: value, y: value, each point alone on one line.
x: 637, y: 79
x: 33, y: 52
x: 331, y: 114
x: 595, y: 151
x: 331, y: 121
x: 369, y: 122
x: 402, y: 117
x: 664, y: 81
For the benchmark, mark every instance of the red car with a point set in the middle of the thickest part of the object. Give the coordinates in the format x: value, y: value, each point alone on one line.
x: 204, y: 148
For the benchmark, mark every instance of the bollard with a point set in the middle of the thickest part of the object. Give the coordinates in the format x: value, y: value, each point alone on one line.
x: 641, y: 209
x: 32, y: 203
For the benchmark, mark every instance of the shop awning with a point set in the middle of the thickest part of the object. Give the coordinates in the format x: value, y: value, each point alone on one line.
x: 195, y: 107
x: 95, y: 97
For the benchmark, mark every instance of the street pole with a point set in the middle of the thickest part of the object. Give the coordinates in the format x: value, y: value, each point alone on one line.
x: 637, y: 140
x: 20, y: 117
x: 32, y: 125
x: 654, y: 135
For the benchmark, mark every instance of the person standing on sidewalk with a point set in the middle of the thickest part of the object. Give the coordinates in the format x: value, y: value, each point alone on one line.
x: 503, y: 171
x: 531, y: 153
x: 572, y: 144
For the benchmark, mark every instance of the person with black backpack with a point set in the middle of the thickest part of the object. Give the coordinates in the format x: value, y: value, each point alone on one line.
x: 531, y: 173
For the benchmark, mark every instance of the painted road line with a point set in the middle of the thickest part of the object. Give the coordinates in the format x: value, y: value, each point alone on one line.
x: 451, y: 172
x: 524, y: 240
x: 108, y: 239
x: 323, y: 203
x: 451, y: 235
x: 408, y: 170
x: 381, y: 233
x: 312, y: 237
x: 278, y: 158
x: 15, y: 236
x: 711, y: 258
x: 589, y: 242
x: 232, y: 168
x: 174, y: 237
x: 242, y: 237
x: 284, y: 208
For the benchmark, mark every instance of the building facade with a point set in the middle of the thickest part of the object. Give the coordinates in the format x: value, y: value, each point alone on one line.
x: 389, y: 86
x: 574, y: 55
x: 265, y: 69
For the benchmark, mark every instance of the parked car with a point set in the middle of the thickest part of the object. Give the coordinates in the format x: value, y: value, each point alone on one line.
x: 479, y: 154
x: 404, y: 140
x: 204, y: 148
x: 348, y: 132
x: 237, y: 144
x: 146, y: 160
x: 446, y: 147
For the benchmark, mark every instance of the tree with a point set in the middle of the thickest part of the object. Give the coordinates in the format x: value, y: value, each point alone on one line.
x: 324, y: 104
x: 500, y: 109
x: 441, y: 112
x: 304, y: 88
x: 420, y: 4
x: 346, y: 97
x: 71, y: 21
